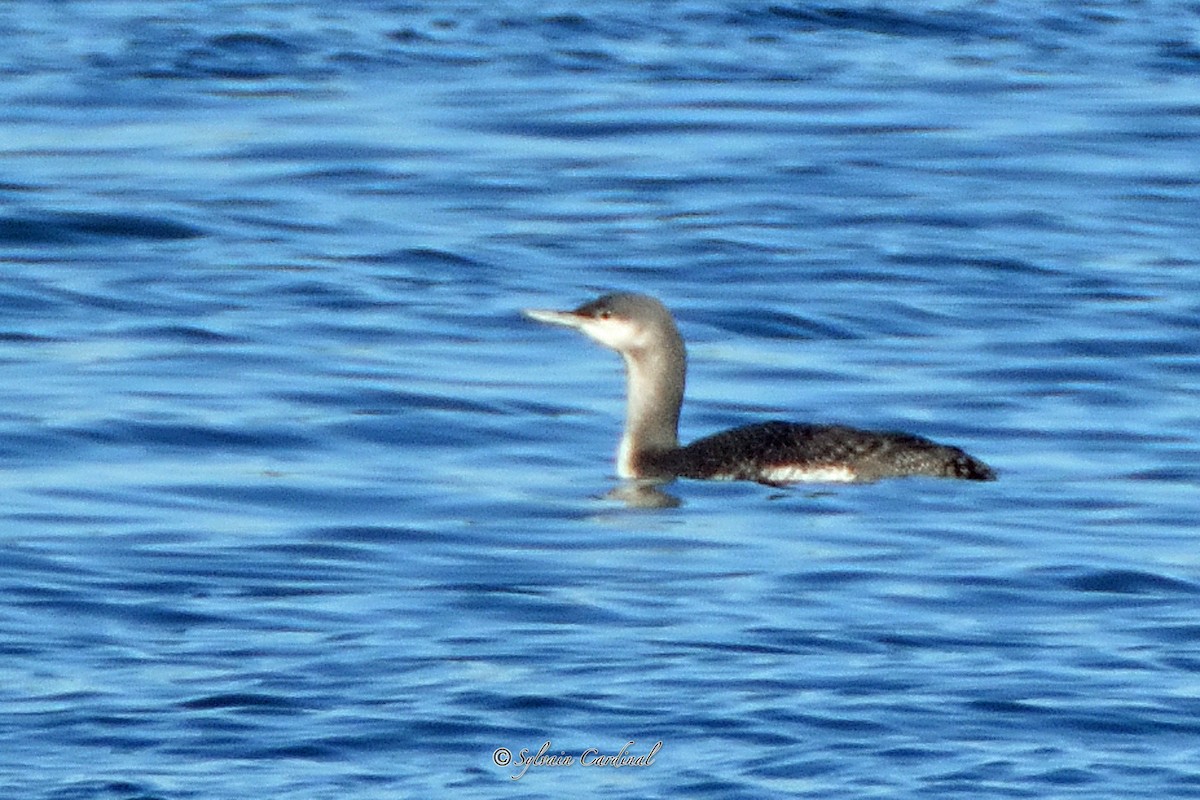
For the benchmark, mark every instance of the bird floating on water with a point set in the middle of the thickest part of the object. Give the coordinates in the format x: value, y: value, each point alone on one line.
x: 643, y: 331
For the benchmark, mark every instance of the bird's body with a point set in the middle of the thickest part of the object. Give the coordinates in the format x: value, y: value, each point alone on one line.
x: 642, y: 330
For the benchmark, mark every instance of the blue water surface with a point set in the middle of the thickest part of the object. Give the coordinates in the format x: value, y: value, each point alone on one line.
x: 297, y: 505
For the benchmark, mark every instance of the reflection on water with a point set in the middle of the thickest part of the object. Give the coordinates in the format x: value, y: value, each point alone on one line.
x: 641, y: 494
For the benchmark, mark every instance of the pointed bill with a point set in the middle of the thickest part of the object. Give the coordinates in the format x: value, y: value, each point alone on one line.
x: 567, y: 318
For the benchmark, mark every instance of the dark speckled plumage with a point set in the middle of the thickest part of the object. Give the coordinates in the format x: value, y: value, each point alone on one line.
x: 755, y: 452
x: 642, y: 330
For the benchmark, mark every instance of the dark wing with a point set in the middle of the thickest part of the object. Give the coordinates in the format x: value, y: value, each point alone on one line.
x: 753, y: 452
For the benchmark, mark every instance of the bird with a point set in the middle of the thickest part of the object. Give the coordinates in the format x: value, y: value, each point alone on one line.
x: 775, y: 453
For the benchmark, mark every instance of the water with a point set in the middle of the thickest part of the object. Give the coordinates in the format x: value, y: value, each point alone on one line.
x: 298, y: 506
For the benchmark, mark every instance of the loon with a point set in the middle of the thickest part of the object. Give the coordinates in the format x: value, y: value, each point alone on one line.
x: 775, y: 453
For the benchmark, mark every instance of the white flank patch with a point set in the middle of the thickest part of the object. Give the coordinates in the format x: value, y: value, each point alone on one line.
x: 795, y: 473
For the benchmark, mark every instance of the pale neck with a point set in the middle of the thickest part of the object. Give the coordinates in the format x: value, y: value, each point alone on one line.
x: 655, y: 380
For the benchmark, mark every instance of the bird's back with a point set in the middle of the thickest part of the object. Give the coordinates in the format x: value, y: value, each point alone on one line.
x: 787, y: 452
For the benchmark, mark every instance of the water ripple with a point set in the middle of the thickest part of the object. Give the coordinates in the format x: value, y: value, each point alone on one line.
x: 90, y: 227
x: 296, y: 500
